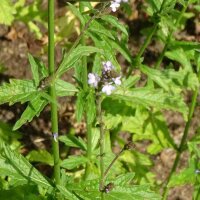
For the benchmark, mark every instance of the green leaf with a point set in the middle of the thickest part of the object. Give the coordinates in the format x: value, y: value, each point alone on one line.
x: 17, y: 91
x: 34, y: 69
x: 15, y: 165
x: 66, y: 193
x: 6, y: 12
x: 18, y: 193
x: 99, y: 29
x: 77, y: 13
x: 171, y: 80
x: 149, y: 126
x: 124, y: 179
x: 73, y: 162
x: 114, y: 21
x: 72, y: 141
x: 69, y: 60
x: 35, y: 106
x: 152, y: 97
x: 90, y: 190
x: 41, y: 156
x: 64, y: 88
x: 185, y: 176
x: 9, y: 136
x: 180, y: 56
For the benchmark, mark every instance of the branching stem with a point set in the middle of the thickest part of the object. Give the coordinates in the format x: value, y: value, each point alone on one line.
x: 183, y: 141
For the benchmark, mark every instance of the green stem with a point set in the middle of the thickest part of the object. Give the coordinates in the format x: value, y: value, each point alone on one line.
x: 183, y: 141
x: 101, y: 143
x: 85, y: 87
x: 54, y: 113
x: 169, y: 37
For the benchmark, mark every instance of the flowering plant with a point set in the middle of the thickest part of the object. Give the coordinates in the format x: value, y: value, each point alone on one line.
x: 120, y: 99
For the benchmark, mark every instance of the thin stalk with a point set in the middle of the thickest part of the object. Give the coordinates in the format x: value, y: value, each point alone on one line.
x: 169, y: 37
x: 101, y: 143
x: 183, y: 141
x: 85, y: 87
x: 54, y: 112
x: 147, y: 41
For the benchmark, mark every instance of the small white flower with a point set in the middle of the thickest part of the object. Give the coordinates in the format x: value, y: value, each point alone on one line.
x: 93, y: 79
x: 117, y: 80
x: 107, y: 66
x: 114, y: 5
x: 108, y: 88
x: 125, y: 1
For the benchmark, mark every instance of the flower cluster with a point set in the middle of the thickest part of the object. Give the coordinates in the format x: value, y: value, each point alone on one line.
x: 116, y: 4
x: 108, y: 81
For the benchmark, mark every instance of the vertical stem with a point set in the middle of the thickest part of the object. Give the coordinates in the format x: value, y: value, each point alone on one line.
x: 85, y: 87
x: 54, y: 113
x: 101, y: 143
x: 183, y: 141
x: 169, y: 37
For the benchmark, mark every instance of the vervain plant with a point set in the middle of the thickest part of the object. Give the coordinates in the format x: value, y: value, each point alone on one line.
x: 109, y: 101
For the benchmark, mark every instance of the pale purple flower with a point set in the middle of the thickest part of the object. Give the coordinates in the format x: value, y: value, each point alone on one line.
x: 117, y: 80
x: 114, y: 5
x: 107, y: 66
x: 124, y: 1
x: 55, y: 137
x: 108, y: 88
x: 93, y: 79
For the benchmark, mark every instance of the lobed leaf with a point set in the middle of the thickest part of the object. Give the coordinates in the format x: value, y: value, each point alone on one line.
x: 41, y: 156
x: 152, y: 97
x: 69, y: 60
x: 15, y: 165
x: 73, y: 162
x: 17, y: 91
x: 35, y: 106
x: 6, y: 12
x: 64, y: 88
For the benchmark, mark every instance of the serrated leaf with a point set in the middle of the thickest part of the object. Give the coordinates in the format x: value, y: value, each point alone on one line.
x: 124, y: 179
x: 73, y: 141
x: 149, y: 126
x: 77, y: 13
x: 152, y: 97
x: 185, y: 176
x: 64, y: 88
x: 34, y: 69
x: 6, y: 12
x: 14, y: 164
x: 114, y: 21
x: 73, y: 162
x: 99, y: 29
x: 41, y: 156
x: 172, y: 80
x: 35, y: 106
x: 66, y: 193
x: 180, y: 56
x: 17, y: 91
x: 69, y: 60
